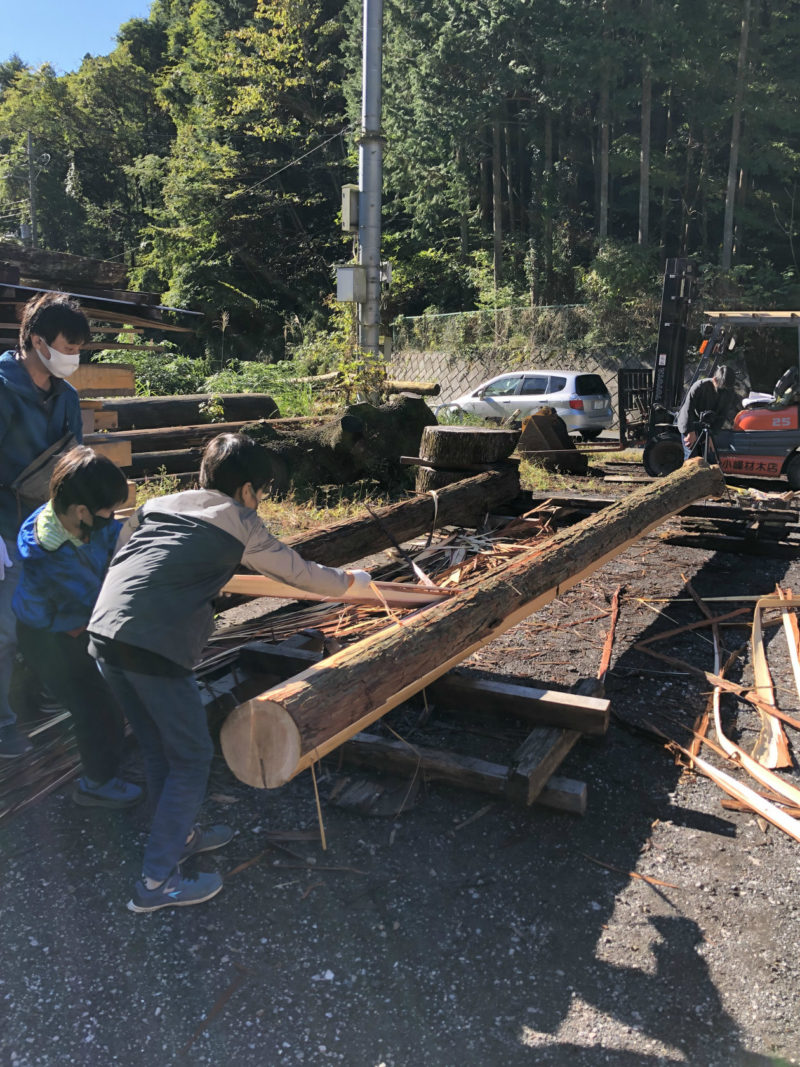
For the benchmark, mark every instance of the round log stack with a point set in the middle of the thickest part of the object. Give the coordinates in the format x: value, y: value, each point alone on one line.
x: 451, y: 453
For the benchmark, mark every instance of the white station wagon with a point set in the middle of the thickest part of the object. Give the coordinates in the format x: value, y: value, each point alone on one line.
x: 582, y: 400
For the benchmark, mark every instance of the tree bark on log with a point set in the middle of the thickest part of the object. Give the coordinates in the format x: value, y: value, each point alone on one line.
x: 166, y: 438
x: 151, y: 412
x: 453, y: 447
x: 450, y: 450
x: 270, y: 739
x: 463, y: 504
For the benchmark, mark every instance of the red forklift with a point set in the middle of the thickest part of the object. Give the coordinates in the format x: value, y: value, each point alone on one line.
x: 764, y: 441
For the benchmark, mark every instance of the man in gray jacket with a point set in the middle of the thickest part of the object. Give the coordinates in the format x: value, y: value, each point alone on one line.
x: 711, y: 397
x: 152, y: 618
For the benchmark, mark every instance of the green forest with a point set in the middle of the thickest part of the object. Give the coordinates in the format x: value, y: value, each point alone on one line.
x: 537, y: 152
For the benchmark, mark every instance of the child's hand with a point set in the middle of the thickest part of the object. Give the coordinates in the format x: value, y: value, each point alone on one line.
x: 6, y: 560
x: 360, y: 581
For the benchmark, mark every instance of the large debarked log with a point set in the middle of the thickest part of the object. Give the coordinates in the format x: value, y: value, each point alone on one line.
x: 270, y: 739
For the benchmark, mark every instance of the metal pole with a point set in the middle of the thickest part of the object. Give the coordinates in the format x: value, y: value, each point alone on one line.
x: 370, y: 177
x: 32, y: 190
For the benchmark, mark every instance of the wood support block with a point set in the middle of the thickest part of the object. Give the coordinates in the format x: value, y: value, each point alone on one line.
x: 465, y: 690
x: 563, y: 794
x: 117, y: 450
x: 106, y: 420
x: 104, y: 379
x: 542, y: 751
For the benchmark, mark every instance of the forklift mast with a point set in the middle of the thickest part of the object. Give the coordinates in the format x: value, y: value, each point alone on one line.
x: 681, y: 278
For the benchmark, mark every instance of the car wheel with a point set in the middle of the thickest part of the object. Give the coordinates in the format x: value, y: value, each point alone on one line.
x: 590, y: 435
x: 793, y: 472
x: 663, y: 454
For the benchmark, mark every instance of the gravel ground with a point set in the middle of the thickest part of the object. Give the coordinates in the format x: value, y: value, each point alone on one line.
x: 459, y: 933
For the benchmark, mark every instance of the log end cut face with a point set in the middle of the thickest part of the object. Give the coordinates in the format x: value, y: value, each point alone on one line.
x: 261, y: 744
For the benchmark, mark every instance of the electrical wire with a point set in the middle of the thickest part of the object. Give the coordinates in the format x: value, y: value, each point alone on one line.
x: 275, y: 173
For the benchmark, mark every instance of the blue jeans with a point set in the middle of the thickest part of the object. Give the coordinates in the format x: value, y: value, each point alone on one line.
x: 169, y: 721
x: 8, y: 632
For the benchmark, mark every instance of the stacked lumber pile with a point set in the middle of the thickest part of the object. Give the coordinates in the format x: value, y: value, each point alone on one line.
x: 146, y: 435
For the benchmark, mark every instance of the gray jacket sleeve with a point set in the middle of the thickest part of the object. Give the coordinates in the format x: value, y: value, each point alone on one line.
x: 267, y: 555
x: 687, y: 415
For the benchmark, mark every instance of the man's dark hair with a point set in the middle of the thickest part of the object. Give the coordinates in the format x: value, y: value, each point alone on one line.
x: 50, y: 315
x: 724, y: 377
x: 231, y: 460
x: 81, y: 476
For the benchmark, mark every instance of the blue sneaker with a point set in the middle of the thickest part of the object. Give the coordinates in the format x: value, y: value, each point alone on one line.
x: 178, y: 891
x: 111, y: 794
x: 206, y: 840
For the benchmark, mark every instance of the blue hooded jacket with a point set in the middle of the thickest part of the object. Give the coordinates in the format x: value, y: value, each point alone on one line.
x: 30, y: 421
x: 58, y: 589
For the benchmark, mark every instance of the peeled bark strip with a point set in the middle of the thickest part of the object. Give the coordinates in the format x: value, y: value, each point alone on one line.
x: 772, y: 747
x: 268, y: 740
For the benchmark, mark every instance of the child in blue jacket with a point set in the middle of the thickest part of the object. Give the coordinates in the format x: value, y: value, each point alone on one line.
x: 66, y: 546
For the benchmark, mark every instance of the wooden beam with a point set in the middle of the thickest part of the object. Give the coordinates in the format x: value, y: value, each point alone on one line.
x: 117, y: 450
x: 542, y: 751
x: 270, y: 739
x: 466, y: 772
x: 185, y: 436
x: 100, y: 315
x: 155, y: 412
x: 98, y: 379
x: 119, y: 346
x: 394, y: 594
x: 106, y: 420
x: 462, y: 690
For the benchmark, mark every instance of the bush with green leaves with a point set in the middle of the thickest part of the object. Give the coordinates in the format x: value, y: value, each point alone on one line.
x: 160, y: 373
x: 277, y: 379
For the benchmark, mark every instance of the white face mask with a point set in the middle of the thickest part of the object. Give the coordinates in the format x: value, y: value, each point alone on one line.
x: 61, y: 364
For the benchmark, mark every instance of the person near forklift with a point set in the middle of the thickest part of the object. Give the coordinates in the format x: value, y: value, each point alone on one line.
x: 708, y: 403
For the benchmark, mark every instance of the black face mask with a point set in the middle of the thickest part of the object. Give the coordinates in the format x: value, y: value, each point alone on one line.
x: 99, y: 522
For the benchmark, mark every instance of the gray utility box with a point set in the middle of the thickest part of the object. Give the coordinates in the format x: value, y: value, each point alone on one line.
x: 349, y: 209
x: 351, y: 283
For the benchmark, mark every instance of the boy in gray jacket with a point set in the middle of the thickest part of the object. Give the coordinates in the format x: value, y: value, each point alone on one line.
x: 152, y: 618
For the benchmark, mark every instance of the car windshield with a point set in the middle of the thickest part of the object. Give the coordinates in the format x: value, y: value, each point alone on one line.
x: 590, y: 384
x: 502, y: 387
x: 534, y: 384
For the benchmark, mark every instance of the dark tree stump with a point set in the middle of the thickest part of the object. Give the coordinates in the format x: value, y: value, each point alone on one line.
x: 365, y: 442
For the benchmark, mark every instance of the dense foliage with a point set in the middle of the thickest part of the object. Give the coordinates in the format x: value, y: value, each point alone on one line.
x: 537, y: 151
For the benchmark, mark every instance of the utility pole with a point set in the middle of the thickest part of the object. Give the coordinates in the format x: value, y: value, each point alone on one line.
x: 370, y: 178
x: 32, y: 190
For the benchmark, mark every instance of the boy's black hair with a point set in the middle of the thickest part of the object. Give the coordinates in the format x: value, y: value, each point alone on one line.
x: 81, y: 476
x: 230, y: 460
x: 50, y: 315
